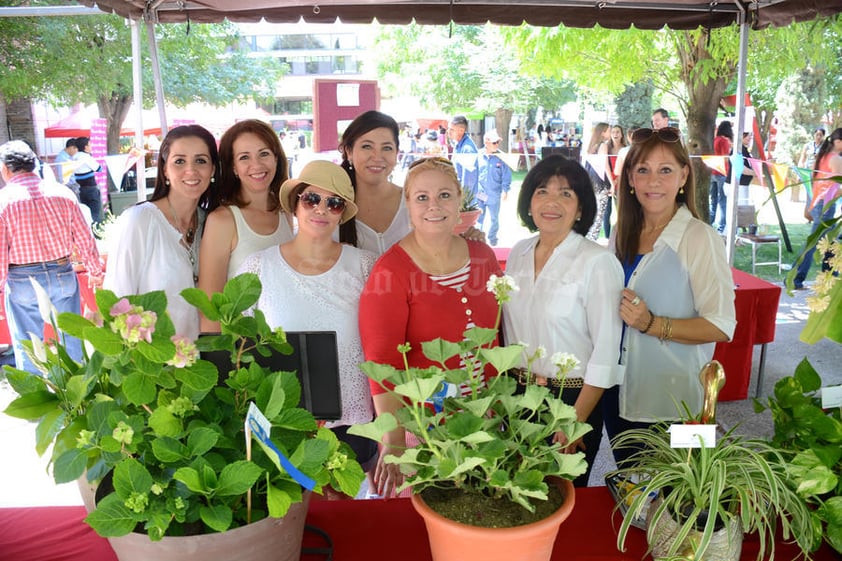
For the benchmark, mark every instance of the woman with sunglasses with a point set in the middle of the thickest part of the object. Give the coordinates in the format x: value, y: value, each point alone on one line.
x: 158, y: 242
x: 250, y: 219
x: 430, y: 284
x: 679, y: 295
x: 569, y: 293
x: 313, y: 283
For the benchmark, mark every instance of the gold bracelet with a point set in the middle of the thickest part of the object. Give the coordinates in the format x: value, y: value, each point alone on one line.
x: 666, y: 329
x: 649, y: 325
x: 669, y: 329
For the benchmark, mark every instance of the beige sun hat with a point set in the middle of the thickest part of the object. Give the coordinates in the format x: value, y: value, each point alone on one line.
x: 327, y: 176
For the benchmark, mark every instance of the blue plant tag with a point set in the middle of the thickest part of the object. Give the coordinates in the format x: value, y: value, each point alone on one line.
x: 258, y: 425
x: 437, y: 399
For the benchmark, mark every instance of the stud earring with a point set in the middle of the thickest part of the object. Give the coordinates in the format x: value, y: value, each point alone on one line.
x: 681, y: 190
x: 350, y: 165
x: 213, y: 180
x: 528, y: 213
x: 631, y: 190
x: 167, y: 182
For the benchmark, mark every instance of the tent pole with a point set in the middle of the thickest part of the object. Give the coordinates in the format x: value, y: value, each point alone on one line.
x: 737, y: 151
x: 138, y: 104
x: 156, y: 75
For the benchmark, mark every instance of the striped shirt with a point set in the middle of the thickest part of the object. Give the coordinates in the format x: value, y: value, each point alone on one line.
x: 41, y: 221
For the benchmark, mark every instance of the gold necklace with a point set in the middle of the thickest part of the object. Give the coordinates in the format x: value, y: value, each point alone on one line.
x: 656, y: 228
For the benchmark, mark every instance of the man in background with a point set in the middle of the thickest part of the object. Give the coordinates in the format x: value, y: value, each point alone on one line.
x: 660, y: 118
x: 465, y: 154
x: 495, y: 179
x: 40, y: 228
x: 65, y: 167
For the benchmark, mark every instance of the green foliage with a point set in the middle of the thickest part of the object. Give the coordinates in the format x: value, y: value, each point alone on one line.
x: 801, y: 106
x: 739, y: 478
x: 491, y: 441
x: 811, y: 439
x: 166, y: 425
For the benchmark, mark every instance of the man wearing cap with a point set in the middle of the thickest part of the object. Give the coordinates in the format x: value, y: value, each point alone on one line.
x: 40, y: 227
x: 465, y: 154
x: 495, y: 179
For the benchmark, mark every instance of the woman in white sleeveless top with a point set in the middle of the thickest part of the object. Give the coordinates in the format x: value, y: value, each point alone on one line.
x: 251, y: 218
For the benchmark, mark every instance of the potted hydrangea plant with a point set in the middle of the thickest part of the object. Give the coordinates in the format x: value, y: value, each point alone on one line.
x: 165, y: 430
x: 490, y: 449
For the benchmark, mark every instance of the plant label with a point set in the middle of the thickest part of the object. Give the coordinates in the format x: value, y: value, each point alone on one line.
x: 692, y: 436
x: 831, y: 397
x: 259, y: 427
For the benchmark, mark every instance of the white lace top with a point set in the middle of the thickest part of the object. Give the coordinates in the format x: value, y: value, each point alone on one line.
x: 325, y: 302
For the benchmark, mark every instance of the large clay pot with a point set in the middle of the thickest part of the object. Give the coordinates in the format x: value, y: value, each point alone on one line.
x: 453, y: 541
x: 278, y: 539
x: 725, y: 545
x: 467, y: 218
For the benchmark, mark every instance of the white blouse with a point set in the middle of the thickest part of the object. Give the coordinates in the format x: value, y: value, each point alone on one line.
x: 325, y: 302
x: 571, y: 307
x: 249, y: 241
x: 376, y: 242
x: 146, y: 254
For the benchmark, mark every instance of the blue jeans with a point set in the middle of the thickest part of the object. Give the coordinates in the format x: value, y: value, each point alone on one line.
x: 718, y: 200
x: 59, y: 281
x: 492, y: 206
x: 819, y: 214
x: 89, y: 195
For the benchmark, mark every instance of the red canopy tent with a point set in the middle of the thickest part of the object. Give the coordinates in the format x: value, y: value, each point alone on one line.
x: 79, y: 122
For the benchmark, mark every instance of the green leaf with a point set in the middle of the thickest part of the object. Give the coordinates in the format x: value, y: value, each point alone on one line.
x: 242, y: 292
x: 48, y: 428
x: 419, y: 390
x: 384, y: 423
x: 139, y: 388
x: 237, y: 478
x: 217, y: 517
x: 197, y: 297
x: 201, y: 440
x: 831, y: 511
x: 33, y: 406
x: 105, y: 300
x: 807, y: 376
x: 380, y: 372
x: 111, y: 517
x: 463, y: 424
x: 295, y: 419
x: 70, y: 465
x: 827, y: 323
x: 439, y: 350
x: 130, y: 476
x: 190, y: 477
x: 78, y: 388
x: 502, y: 358
x: 104, y: 340
x: 278, y: 500
x: 197, y: 379
x: 164, y: 423
x: 169, y: 450
x: 74, y: 324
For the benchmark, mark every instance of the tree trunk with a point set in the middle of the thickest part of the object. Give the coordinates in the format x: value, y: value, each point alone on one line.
x: 19, y: 122
x: 502, y: 119
x: 703, y: 104
x: 114, y: 109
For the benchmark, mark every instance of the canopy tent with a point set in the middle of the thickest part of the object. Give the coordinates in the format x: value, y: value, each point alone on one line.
x: 79, y: 122
x: 613, y: 14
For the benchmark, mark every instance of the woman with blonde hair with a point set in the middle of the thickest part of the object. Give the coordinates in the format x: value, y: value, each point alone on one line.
x: 430, y: 284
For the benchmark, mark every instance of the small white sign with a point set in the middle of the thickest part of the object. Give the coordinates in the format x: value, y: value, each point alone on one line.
x: 347, y: 95
x: 831, y: 397
x: 692, y: 436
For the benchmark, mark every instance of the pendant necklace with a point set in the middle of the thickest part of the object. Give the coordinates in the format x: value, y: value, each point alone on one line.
x: 187, y: 236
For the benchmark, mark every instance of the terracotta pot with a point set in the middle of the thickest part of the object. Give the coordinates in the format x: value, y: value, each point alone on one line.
x: 453, y: 541
x: 725, y: 545
x: 278, y: 539
x: 467, y: 219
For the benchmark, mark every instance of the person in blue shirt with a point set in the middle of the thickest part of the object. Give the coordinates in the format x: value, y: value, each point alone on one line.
x: 465, y: 154
x: 495, y: 179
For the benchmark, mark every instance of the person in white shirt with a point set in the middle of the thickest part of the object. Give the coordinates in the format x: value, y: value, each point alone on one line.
x: 679, y: 299
x: 569, y: 293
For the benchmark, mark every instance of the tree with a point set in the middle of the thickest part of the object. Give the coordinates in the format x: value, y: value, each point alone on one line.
x: 469, y: 67
x: 87, y: 59
x: 801, y: 107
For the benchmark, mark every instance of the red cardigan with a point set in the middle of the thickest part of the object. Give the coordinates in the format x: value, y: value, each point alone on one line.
x: 400, y: 303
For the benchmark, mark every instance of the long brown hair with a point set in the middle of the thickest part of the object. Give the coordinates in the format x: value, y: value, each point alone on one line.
x: 210, y: 198
x: 630, y: 213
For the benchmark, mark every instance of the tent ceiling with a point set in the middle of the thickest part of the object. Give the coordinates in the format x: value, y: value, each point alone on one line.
x: 614, y: 14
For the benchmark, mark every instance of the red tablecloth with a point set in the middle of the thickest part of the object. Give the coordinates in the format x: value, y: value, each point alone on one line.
x: 373, y: 530
x: 756, y: 304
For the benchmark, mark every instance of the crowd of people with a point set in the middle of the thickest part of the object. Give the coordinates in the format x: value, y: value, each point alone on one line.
x: 340, y: 247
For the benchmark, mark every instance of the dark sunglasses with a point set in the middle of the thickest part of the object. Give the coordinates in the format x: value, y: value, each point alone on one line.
x: 335, y: 204
x: 496, y: 142
x: 667, y: 134
x: 438, y: 159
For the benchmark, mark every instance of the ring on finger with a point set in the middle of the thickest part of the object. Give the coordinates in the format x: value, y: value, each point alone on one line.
x: 635, y: 301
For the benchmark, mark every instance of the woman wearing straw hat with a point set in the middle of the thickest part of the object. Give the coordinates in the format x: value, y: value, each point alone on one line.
x: 313, y: 283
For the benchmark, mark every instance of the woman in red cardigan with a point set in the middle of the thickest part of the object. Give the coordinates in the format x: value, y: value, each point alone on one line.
x: 430, y: 284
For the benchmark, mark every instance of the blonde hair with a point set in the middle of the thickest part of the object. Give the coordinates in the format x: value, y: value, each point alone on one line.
x: 442, y: 165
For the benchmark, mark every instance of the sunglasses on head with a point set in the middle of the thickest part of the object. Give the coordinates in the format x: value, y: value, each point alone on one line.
x: 335, y: 204
x: 437, y: 159
x: 667, y: 134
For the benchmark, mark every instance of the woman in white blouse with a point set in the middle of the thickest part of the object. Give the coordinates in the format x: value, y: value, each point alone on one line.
x: 313, y: 283
x: 569, y: 294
